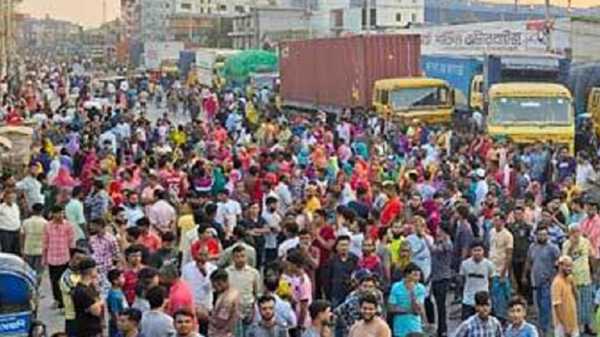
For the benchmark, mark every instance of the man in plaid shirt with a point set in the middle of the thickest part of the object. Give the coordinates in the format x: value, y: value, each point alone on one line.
x: 58, y: 239
x: 482, y: 324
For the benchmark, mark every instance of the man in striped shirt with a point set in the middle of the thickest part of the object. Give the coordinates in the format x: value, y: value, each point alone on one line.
x: 58, y: 239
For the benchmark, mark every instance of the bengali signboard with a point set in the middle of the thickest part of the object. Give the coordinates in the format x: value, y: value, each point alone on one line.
x: 15, y: 325
x: 512, y: 36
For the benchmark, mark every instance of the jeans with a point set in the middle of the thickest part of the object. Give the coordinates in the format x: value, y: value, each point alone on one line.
x: 439, y: 289
x: 501, y: 290
x: 544, y: 306
x: 35, y: 262
x: 71, y: 327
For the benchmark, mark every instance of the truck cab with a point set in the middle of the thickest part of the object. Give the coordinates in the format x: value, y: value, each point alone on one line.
x: 403, y: 99
x: 593, y: 108
x: 532, y: 112
x: 477, y: 98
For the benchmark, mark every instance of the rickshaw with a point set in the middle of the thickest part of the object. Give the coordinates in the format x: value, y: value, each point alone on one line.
x: 18, y: 140
x: 18, y: 296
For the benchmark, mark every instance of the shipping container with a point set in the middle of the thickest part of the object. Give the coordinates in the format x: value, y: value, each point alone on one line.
x: 336, y: 73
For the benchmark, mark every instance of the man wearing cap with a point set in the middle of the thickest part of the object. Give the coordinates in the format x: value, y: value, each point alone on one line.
x: 590, y: 228
x: 578, y: 248
x: 197, y: 274
x: 481, y: 188
x: 564, y: 300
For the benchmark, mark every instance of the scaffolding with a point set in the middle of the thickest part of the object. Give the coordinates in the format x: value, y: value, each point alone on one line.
x: 7, y: 36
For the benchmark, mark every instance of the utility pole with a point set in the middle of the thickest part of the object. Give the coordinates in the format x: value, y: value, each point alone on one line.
x: 3, y: 38
x: 548, y: 27
x: 103, y: 11
x: 368, y: 16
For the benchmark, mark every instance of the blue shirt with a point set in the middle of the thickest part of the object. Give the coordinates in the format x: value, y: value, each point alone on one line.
x: 400, y: 296
x: 525, y: 330
x: 420, y: 254
x: 115, y: 301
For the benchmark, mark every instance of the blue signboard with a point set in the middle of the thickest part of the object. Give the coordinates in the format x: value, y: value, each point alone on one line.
x: 16, y: 324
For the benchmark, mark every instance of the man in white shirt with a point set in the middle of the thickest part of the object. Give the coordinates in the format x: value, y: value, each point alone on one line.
x: 10, y: 223
x: 228, y: 211
x: 284, y: 195
x: 31, y: 187
x: 197, y: 274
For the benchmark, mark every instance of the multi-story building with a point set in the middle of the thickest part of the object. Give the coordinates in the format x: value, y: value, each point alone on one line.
x: 48, y: 32
x: 264, y: 27
x: 337, y: 17
x: 197, y: 7
x: 230, y: 8
x: 154, y: 19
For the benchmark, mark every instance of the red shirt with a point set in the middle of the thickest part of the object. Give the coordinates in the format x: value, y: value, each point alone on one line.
x: 326, y: 233
x: 131, y: 280
x: 150, y: 241
x: 390, y: 211
x: 211, y: 244
x: 180, y: 296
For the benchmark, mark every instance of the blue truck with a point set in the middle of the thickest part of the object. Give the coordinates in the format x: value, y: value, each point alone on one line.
x: 459, y: 72
x: 472, y: 76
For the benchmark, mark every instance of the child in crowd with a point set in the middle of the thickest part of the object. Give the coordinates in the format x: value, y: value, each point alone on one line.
x: 519, y: 327
x: 115, y: 300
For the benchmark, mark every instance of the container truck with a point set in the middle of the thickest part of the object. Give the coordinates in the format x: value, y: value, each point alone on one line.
x: 528, y: 101
x: 471, y: 75
x: 460, y: 72
x: 203, y: 65
x: 362, y: 72
x: 532, y: 112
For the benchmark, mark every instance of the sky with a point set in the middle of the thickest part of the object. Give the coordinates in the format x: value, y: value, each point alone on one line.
x: 89, y: 12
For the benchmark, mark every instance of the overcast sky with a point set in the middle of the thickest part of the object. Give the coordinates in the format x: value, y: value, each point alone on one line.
x: 89, y: 12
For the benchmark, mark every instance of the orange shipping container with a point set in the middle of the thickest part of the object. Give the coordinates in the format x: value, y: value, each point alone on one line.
x: 335, y: 73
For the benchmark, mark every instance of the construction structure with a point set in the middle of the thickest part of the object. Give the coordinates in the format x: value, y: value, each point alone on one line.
x: 7, y: 36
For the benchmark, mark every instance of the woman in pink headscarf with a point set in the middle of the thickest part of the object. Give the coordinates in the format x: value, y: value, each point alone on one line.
x: 89, y: 169
x: 210, y: 106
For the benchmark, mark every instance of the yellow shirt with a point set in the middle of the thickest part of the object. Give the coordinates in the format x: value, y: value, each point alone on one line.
x: 185, y: 224
x: 67, y: 284
x: 394, y: 247
x: 33, y: 228
x: 581, y: 261
x: 312, y: 205
x: 564, y: 303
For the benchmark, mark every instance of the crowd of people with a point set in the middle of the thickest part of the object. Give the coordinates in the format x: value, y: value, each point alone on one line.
x: 246, y: 221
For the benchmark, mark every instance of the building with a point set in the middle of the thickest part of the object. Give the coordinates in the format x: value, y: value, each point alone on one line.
x: 101, y: 43
x: 154, y: 19
x: 195, y: 7
x: 201, y: 30
x: 471, y: 11
x: 264, y: 27
x: 339, y: 17
x: 231, y: 8
x: 48, y: 33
